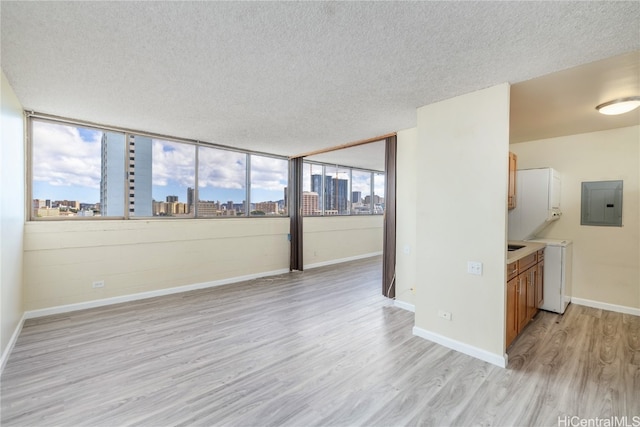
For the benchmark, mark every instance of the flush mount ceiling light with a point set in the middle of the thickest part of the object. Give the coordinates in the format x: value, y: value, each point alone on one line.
x: 619, y: 106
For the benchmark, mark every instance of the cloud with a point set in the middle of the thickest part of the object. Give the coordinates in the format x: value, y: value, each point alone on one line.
x: 268, y: 173
x: 64, y: 157
x: 221, y: 168
x: 173, y: 161
x: 361, y: 181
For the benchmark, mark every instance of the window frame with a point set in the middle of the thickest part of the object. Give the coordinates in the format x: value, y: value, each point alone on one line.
x: 322, y: 202
x: 32, y: 116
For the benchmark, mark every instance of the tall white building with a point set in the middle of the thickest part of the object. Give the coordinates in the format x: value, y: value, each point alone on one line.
x: 112, y: 174
x: 138, y: 175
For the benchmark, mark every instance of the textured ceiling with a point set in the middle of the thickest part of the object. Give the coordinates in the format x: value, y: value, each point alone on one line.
x: 563, y: 103
x: 289, y: 77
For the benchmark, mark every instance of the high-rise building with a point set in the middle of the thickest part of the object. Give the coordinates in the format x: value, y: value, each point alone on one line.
x: 317, y: 187
x: 112, y: 174
x: 139, y: 181
x: 190, y: 199
x: 310, y: 203
x: 336, y: 193
x: 340, y: 195
x: 286, y: 199
x: 171, y: 199
x: 356, y: 196
x: 140, y: 176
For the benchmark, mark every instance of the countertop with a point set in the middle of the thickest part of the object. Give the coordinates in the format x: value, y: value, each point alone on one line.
x: 529, y: 248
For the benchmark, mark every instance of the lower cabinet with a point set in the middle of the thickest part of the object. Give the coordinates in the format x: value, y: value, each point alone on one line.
x: 512, y: 303
x: 524, y: 293
x: 540, y: 281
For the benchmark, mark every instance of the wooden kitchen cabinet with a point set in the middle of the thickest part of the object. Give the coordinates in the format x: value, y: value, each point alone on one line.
x: 511, y: 200
x: 521, y: 308
x: 512, y: 303
x: 524, y: 293
x: 540, y: 280
x: 532, y: 307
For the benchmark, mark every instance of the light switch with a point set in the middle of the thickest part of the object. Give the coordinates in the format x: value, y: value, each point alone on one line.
x: 474, y: 267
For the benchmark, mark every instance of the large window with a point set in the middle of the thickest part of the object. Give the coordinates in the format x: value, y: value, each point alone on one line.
x: 339, y: 190
x: 269, y: 177
x: 361, y: 192
x: 160, y: 174
x: 312, y: 189
x: 337, y: 195
x: 222, y: 180
x: 72, y: 172
x: 79, y: 171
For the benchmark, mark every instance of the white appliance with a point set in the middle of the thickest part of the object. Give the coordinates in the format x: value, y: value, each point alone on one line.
x: 537, y: 202
x: 557, y: 274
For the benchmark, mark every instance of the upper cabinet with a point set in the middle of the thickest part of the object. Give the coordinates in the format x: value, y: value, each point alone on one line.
x: 511, y: 201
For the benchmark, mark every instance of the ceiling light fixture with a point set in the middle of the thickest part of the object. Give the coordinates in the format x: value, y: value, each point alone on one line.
x: 619, y: 106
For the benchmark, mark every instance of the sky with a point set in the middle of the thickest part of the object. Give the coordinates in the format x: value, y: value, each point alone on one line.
x: 67, y: 166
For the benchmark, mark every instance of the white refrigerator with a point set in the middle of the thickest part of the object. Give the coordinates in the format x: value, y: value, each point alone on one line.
x: 558, y: 255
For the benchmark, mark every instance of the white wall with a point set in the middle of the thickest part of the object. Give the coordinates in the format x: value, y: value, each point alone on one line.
x: 461, y: 197
x: 62, y: 259
x: 407, y: 184
x: 606, y: 260
x: 328, y: 240
x: 12, y: 214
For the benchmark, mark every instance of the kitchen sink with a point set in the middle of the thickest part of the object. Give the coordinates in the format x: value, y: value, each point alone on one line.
x: 512, y: 248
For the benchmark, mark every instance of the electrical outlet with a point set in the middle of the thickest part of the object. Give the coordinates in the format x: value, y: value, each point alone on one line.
x: 444, y: 314
x: 98, y: 284
x: 474, y: 267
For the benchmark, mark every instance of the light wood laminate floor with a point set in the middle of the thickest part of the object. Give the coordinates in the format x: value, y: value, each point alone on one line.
x: 320, y: 347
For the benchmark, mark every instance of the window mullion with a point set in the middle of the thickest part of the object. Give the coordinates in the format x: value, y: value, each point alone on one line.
x: 247, y: 174
x: 195, y: 196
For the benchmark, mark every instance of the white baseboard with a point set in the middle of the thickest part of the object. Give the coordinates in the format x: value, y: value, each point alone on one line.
x: 405, y: 306
x: 144, y: 295
x: 469, y: 350
x: 12, y: 342
x: 341, y: 260
x: 606, y: 306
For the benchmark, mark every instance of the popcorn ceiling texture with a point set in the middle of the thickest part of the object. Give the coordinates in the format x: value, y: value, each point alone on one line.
x: 289, y: 77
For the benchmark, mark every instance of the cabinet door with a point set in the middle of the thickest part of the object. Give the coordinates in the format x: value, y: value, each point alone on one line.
x: 532, y: 308
x: 521, y: 308
x: 511, y: 201
x: 512, y: 303
x: 540, y: 284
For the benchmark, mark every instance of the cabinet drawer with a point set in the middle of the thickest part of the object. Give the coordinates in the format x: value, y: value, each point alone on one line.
x: 541, y: 255
x: 512, y: 270
x: 527, y: 262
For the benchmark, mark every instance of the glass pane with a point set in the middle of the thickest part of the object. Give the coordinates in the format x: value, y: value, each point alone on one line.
x: 164, y: 173
x: 221, y: 182
x: 312, y: 200
x: 269, y: 179
x: 73, y: 168
x: 360, y: 191
x: 378, y: 192
x: 337, y: 197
